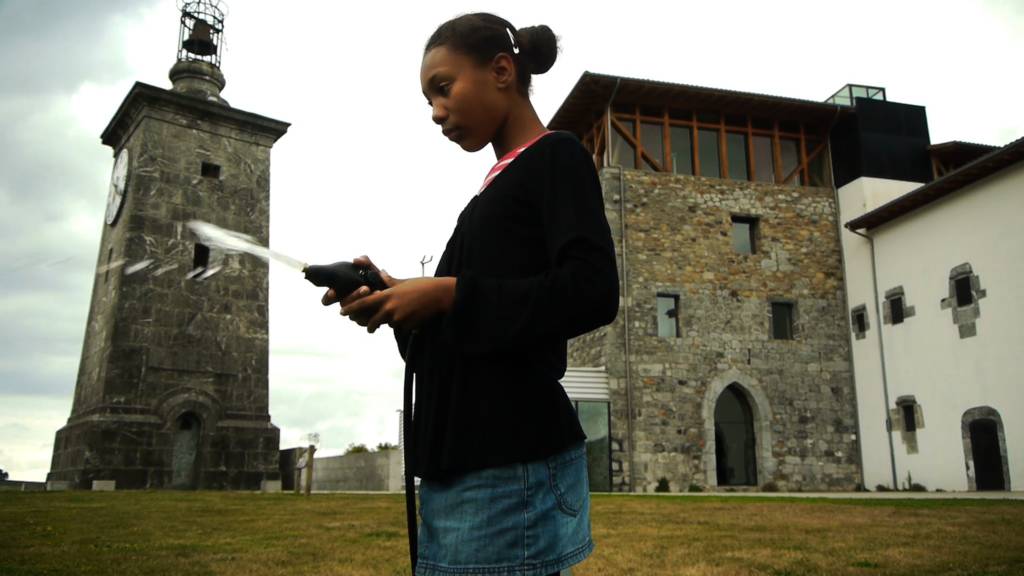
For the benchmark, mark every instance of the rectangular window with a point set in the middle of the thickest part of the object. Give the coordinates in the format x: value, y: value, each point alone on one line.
x: 964, y: 295
x: 708, y: 144
x: 682, y: 149
x: 668, y: 315
x: 594, y: 419
x: 860, y: 321
x: 909, y: 418
x: 764, y: 162
x: 210, y: 170
x: 782, y: 320
x: 896, y: 309
x: 790, y: 151
x: 744, y: 234
x: 622, y: 153
x: 736, y: 147
x: 817, y: 169
x: 651, y: 140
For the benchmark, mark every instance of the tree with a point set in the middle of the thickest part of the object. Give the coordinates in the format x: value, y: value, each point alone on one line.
x: 356, y: 449
x: 3, y: 474
x: 386, y: 446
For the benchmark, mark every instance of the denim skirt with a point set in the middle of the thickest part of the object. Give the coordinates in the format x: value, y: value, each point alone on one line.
x: 526, y: 519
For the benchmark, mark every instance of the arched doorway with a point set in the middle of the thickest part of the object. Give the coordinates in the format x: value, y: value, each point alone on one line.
x: 988, y: 465
x: 187, y: 432
x: 985, y: 449
x: 735, y: 445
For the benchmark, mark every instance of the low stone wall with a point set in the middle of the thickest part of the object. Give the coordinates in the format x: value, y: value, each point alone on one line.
x: 372, y: 471
x: 22, y: 486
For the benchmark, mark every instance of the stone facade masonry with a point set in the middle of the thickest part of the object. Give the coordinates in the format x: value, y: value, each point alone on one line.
x: 678, y: 241
x: 164, y: 353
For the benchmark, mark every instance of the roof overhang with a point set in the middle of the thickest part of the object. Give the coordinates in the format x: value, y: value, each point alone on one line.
x: 592, y: 93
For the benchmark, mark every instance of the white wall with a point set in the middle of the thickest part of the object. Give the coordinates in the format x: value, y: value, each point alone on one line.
x: 925, y: 356
x: 855, y: 199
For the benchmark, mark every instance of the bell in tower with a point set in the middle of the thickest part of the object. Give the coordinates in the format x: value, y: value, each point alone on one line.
x: 200, y: 37
x: 172, y: 388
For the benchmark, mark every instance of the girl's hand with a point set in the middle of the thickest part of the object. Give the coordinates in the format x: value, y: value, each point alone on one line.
x: 404, y: 305
x: 330, y: 297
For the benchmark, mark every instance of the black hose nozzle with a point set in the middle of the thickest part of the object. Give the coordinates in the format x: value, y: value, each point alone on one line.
x: 343, y: 277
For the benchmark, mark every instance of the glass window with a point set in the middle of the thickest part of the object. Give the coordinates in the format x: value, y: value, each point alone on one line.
x: 668, y: 315
x: 761, y: 123
x: 817, y: 169
x: 651, y: 111
x: 782, y: 320
x: 743, y: 234
x: 594, y: 420
x: 736, y: 147
x: 622, y: 153
x: 708, y: 142
x: 651, y: 140
x: 964, y: 296
x: 682, y: 149
x: 736, y: 120
x: 764, y: 163
x: 896, y: 310
x: 790, y: 152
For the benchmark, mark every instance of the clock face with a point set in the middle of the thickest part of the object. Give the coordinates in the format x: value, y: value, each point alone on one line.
x: 118, y: 182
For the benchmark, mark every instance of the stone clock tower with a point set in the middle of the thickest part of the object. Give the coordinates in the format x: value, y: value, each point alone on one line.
x: 172, y: 387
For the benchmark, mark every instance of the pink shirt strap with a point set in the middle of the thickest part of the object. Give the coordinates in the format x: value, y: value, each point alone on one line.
x: 507, y: 159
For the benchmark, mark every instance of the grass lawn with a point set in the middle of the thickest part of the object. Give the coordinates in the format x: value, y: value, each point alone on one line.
x: 151, y: 533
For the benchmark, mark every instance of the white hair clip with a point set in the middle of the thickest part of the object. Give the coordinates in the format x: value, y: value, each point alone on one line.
x: 515, y: 47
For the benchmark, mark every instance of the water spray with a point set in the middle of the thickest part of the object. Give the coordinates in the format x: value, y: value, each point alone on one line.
x: 343, y: 277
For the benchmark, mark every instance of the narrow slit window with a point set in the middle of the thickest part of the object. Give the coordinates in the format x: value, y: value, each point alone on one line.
x: 896, y: 308
x: 744, y: 234
x: 964, y: 295
x: 782, y: 320
x: 210, y: 170
x: 668, y: 315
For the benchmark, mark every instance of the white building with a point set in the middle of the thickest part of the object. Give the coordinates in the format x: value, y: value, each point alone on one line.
x: 934, y: 277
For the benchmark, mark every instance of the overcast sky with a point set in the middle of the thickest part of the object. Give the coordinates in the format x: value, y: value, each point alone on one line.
x: 364, y: 170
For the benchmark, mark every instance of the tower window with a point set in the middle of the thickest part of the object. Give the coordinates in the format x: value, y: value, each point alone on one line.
x: 964, y: 296
x: 668, y: 315
x: 782, y: 320
x: 744, y: 234
x: 210, y: 170
x: 201, y: 257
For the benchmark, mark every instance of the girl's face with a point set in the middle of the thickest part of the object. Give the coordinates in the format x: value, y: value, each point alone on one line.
x: 468, y: 101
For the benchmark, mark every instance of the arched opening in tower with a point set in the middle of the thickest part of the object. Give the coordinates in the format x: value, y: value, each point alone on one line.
x: 735, y: 446
x: 184, y: 469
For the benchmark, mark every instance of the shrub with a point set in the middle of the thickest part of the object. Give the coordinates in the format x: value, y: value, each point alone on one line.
x: 882, y: 488
x: 695, y: 488
x: 770, y: 487
x: 356, y: 449
x: 915, y: 487
x: 662, y: 485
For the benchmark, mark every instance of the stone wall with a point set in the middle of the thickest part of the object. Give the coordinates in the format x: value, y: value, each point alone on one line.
x: 678, y: 241
x: 369, y: 471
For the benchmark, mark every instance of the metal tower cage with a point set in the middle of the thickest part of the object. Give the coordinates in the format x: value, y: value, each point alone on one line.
x: 201, y: 34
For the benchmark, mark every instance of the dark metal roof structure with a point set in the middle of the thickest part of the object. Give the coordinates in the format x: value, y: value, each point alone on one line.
x: 967, y: 174
x: 589, y: 97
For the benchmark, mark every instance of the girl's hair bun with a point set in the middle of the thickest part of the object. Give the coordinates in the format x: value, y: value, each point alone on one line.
x: 539, y: 46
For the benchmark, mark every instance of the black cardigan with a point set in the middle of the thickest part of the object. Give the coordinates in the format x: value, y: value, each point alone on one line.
x: 535, y: 266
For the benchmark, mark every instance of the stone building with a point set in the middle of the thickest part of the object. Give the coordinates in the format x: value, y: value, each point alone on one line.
x: 728, y: 366
x: 172, y: 385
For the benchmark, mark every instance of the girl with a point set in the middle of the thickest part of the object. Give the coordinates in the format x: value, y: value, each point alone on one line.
x: 530, y: 264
